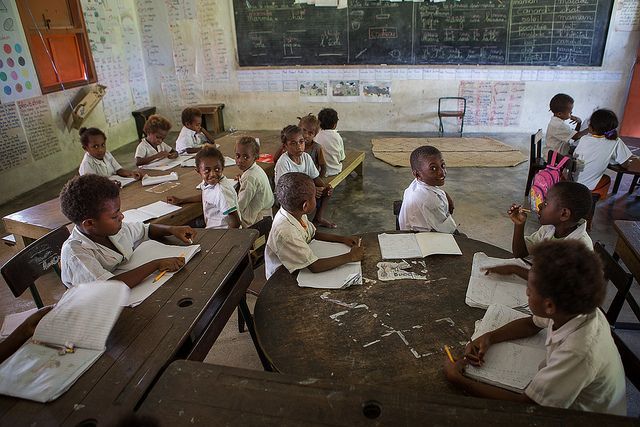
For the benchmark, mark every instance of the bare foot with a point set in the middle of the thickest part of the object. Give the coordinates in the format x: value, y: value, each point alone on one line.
x: 324, y: 223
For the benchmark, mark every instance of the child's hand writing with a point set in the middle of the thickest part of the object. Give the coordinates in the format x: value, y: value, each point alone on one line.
x: 174, y: 200
x: 162, y: 155
x: 137, y: 175
x: 476, y: 349
x: 517, y: 214
x: 173, y: 155
x: 350, y: 240
x: 453, y: 370
x: 170, y: 264
x: 356, y: 253
x: 184, y: 233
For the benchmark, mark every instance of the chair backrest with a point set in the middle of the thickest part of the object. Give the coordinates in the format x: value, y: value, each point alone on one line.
x: 536, y: 146
x: 397, y: 205
x: 622, y: 280
x: 264, y: 228
x: 21, y: 271
x: 629, y: 358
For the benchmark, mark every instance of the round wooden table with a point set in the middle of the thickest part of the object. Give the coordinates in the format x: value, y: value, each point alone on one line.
x: 384, y: 333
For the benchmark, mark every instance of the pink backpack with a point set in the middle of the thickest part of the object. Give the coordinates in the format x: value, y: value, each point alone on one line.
x: 545, y: 179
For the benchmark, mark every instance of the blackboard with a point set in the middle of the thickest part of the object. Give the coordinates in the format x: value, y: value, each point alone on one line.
x: 494, y: 32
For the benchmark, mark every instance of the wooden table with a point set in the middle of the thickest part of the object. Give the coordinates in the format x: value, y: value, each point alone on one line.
x: 633, y: 168
x: 628, y: 245
x: 182, y: 319
x: 357, y: 335
x: 197, y: 394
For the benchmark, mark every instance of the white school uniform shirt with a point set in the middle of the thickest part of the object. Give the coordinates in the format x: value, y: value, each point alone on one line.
x: 83, y: 260
x: 425, y: 208
x: 255, y: 197
x: 218, y: 201
x: 333, y: 149
x: 288, y: 244
x: 145, y: 149
x: 106, y: 167
x: 594, y: 155
x: 187, y: 138
x: 582, y: 369
x: 546, y: 232
x: 286, y: 165
x: 558, y: 136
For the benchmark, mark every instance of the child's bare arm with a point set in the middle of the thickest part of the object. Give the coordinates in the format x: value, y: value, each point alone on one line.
x: 234, y: 220
x: 579, y: 134
x: 519, y: 219
x: 322, y: 163
x: 134, y: 277
x: 140, y: 161
x: 207, y: 135
x: 328, y: 237
x: 175, y: 200
x: 182, y: 232
x: 129, y: 174
x: 324, y: 264
x: 509, y: 269
x: 21, y: 334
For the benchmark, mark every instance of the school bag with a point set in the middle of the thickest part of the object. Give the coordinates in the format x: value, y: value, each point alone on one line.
x: 545, y: 179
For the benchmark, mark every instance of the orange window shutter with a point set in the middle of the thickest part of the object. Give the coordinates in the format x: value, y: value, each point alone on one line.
x: 46, y: 74
x: 66, y: 55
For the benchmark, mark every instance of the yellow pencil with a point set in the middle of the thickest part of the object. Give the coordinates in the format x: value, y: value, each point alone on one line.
x: 159, y: 276
x: 446, y: 349
x: 360, y: 241
x: 525, y: 210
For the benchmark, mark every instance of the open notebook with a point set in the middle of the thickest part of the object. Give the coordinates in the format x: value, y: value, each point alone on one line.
x: 153, y: 180
x: 124, y: 181
x: 511, y: 364
x: 337, y: 278
x: 166, y: 163
x: 228, y: 161
x: 150, y: 250
x: 486, y: 289
x: 84, y: 317
x: 150, y: 211
x: 417, y: 245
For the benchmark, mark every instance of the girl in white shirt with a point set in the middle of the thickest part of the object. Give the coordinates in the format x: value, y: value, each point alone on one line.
x: 152, y: 147
x: 97, y: 160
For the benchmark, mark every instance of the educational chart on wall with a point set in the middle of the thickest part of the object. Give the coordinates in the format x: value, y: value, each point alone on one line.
x: 37, y: 122
x: 17, y: 75
x: 494, y: 32
x: 492, y: 103
x: 13, y: 150
x: 627, y: 15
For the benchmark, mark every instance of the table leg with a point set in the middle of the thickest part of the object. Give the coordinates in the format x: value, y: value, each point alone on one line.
x: 248, y: 318
x: 359, y: 169
x: 22, y: 242
x: 616, y: 183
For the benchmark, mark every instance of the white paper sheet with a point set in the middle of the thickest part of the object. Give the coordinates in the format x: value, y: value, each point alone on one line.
x: 166, y: 163
x: 122, y: 180
x: 337, y: 278
x: 485, y: 290
x: 150, y: 211
x: 152, y: 180
x: 498, y: 315
x: 417, y: 245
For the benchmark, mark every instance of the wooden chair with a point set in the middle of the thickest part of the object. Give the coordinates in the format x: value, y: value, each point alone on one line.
x: 459, y: 113
x: 397, y: 205
x: 34, y: 261
x: 257, y: 259
x: 536, y: 162
x: 622, y: 280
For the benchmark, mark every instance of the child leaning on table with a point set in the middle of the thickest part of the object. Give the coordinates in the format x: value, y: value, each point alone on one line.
x: 559, y: 135
x: 97, y: 160
x: 582, y: 369
x: 188, y: 140
x: 219, y: 198
x: 255, y: 197
x: 425, y: 206
x: 100, y: 241
x: 152, y: 147
x: 291, y: 232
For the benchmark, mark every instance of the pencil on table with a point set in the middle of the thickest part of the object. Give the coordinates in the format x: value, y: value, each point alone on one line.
x: 446, y: 349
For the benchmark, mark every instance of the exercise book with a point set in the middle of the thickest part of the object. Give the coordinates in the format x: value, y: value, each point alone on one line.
x: 123, y: 181
x: 152, y: 180
x: 67, y: 341
x: 150, y: 211
x: 486, y: 289
x: 417, y: 245
x: 228, y: 161
x: 166, y: 163
x: 337, y: 278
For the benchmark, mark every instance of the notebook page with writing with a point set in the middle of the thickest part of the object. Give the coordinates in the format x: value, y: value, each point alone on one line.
x: 84, y: 315
x: 122, y: 180
x: 159, y: 208
x: 484, y: 290
x: 499, y: 315
x: 437, y: 244
x: 135, y: 215
x: 335, y: 278
x: 397, y: 246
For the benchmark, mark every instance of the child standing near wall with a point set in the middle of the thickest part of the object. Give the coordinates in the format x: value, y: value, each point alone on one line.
x: 255, y: 197
x: 559, y: 134
x: 188, y: 139
x: 152, y: 147
x: 330, y: 141
x: 97, y: 160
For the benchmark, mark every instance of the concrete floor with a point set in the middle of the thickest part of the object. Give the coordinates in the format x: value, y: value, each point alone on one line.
x: 364, y: 204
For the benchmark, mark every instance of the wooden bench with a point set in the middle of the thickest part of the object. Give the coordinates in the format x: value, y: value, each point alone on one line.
x: 352, y: 162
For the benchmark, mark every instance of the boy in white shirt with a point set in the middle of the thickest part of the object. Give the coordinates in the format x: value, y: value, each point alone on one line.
x: 291, y: 232
x: 189, y: 137
x: 295, y: 159
x: 97, y: 160
x: 582, y: 369
x: 425, y: 206
x: 255, y: 197
x: 100, y: 241
x: 219, y: 198
x: 559, y: 134
x: 331, y: 141
x: 152, y: 147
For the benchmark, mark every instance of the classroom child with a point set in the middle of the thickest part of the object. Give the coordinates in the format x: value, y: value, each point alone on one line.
x: 559, y: 134
x: 291, y: 232
x: 582, y: 369
x: 255, y: 197
x: 310, y: 127
x: 97, y: 160
x: 295, y: 159
x: 425, y: 206
x: 100, y: 241
x: 152, y: 147
x: 330, y: 141
x: 597, y: 150
x: 189, y: 137
x: 218, y: 197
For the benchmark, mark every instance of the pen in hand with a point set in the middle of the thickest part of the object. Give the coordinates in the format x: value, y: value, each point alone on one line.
x: 446, y: 349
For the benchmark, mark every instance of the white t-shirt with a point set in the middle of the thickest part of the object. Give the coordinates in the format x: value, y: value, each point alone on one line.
x: 558, y: 136
x: 187, y: 138
x: 594, y: 155
x: 106, y: 167
x: 218, y: 201
x: 255, y: 197
x: 288, y: 244
x: 546, y: 232
x: 425, y: 208
x: 582, y: 369
x: 286, y: 165
x: 145, y: 149
x: 333, y: 149
x: 83, y: 260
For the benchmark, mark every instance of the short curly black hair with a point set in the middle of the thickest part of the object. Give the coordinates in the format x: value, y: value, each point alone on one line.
x: 288, y: 132
x: 249, y: 141
x: 418, y: 155
x: 87, y: 133
x: 83, y: 197
x: 209, y: 151
x: 188, y: 114
x: 293, y: 189
x: 574, y: 196
x: 328, y: 118
x: 570, y: 274
x: 560, y: 103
